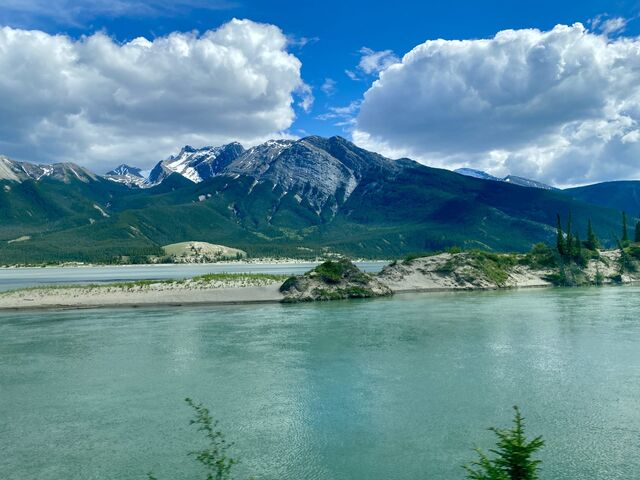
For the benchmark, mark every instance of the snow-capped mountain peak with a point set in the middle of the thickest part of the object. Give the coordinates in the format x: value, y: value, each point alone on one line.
x: 124, y: 169
x: 196, y: 164
x: 512, y: 179
x: 472, y: 172
x: 526, y: 182
x: 127, y: 175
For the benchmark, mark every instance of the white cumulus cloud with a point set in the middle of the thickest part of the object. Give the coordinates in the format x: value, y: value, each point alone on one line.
x: 560, y: 105
x: 99, y: 102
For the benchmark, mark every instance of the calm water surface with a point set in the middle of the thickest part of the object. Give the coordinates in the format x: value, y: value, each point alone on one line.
x: 398, y: 388
x: 12, y: 278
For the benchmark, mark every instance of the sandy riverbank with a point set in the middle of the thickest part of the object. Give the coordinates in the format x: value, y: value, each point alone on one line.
x: 182, y: 293
x: 444, y: 272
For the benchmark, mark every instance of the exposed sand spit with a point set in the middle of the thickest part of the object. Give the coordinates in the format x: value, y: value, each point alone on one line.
x: 139, y: 294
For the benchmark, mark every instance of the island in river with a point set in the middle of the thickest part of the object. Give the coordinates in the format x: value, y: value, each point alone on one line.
x: 334, y: 280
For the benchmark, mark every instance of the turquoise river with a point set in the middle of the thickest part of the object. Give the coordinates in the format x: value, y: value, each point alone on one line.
x: 396, y: 389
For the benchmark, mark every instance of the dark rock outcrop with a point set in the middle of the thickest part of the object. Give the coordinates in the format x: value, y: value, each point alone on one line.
x: 332, y: 280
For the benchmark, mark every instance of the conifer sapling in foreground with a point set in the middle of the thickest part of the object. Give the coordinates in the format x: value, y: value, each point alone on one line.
x: 513, y: 455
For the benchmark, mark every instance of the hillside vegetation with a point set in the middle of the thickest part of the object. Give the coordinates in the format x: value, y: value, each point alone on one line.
x: 303, y: 198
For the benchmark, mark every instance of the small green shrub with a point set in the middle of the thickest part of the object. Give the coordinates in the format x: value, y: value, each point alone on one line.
x: 493, y: 266
x: 358, y: 292
x: 541, y: 256
x: 324, y: 294
x: 289, y: 284
x: 599, y: 278
x: 447, y: 267
x: 332, y: 271
x: 570, y: 275
x: 617, y: 278
x: 634, y: 251
x: 408, y: 260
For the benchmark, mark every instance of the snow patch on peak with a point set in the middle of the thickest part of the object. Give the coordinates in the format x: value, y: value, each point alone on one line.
x: 124, y: 170
x: 127, y: 175
x: 525, y: 182
x: 472, y: 172
x: 181, y: 165
x: 195, y: 164
x: 512, y: 179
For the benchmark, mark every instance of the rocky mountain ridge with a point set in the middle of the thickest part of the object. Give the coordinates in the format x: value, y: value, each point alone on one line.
x: 15, y: 171
x: 283, y: 197
x: 512, y: 179
x: 127, y: 175
x: 195, y: 164
x: 321, y: 171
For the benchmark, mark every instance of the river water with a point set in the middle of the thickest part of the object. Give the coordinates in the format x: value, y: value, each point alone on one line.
x: 13, y: 278
x: 400, y: 388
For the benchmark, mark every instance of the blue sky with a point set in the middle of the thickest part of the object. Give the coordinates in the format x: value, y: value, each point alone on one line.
x: 329, y: 39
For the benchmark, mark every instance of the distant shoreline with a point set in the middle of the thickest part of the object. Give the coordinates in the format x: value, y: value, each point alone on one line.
x: 440, y: 273
x: 248, y: 262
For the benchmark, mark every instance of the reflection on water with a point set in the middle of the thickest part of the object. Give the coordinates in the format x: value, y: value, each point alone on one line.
x: 398, y: 388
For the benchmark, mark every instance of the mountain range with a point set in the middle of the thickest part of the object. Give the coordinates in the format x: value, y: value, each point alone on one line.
x: 284, y: 197
x: 512, y: 179
x: 130, y: 176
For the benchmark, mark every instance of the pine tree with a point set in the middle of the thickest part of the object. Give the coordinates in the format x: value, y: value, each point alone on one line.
x: 513, y: 455
x: 625, y: 233
x: 578, y: 251
x: 624, y: 260
x: 569, y: 243
x: 559, y: 237
x: 592, y: 241
x: 637, y: 235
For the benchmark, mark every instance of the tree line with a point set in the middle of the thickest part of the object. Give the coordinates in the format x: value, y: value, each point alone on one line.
x: 570, y: 247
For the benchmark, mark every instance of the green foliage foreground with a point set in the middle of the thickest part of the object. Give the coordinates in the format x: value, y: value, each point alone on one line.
x: 513, y: 454
x: 214, y: 457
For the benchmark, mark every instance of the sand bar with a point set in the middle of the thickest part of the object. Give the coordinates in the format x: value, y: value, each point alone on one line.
x: 159, y: 294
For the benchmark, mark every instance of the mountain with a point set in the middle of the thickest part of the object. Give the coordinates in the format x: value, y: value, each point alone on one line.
x: 15, y: 171
x: 322, y: 172
x: 621, y: 195
x: 525, y: 182
x: 284, y: 197
x: 130, y: 176
x: 196, y: 164
x: 472, y: 172
x: 35, y: 199
x: 124, y: 170
x: 512, y: 179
